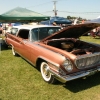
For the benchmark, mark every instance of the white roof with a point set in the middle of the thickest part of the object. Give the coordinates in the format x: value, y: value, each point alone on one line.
x: 33, y: 26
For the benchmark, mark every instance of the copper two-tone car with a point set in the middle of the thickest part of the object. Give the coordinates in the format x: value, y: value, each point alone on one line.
x: 58, y: 53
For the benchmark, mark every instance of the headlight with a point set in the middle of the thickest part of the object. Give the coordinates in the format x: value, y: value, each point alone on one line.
x: 68, y: 65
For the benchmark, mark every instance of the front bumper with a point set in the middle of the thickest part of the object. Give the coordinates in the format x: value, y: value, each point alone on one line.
x: 77, y: 75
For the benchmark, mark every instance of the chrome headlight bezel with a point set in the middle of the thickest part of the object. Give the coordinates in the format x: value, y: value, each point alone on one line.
x: 67, y: 65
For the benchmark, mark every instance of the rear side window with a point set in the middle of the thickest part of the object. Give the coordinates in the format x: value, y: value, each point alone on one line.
x: 23, y: 33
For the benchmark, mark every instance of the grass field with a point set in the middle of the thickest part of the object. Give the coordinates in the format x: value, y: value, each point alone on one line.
x: 21, y: 81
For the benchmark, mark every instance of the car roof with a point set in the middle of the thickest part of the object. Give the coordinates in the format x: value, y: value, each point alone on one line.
x: 32, y: 26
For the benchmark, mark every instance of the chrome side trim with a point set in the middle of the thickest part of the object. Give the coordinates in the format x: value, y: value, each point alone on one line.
x: 77, y: 75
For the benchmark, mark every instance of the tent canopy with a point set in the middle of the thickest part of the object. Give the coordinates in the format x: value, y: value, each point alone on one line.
x: 22, y: 14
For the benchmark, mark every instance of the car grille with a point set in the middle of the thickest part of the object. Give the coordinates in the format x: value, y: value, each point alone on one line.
x: 87, y: 61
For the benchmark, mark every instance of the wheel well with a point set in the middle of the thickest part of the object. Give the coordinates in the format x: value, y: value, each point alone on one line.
x: 39, y: 60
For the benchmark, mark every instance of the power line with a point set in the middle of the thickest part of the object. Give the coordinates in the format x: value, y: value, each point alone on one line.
x: 42, y: 4
x: 39, y: 4
x: 75, y: 12
x: 81, y: 12
x: 55, y: 11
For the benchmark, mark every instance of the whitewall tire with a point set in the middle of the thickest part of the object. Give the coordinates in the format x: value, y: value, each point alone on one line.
x: 47, y: 76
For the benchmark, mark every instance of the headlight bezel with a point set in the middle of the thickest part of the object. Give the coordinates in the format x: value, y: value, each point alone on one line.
x: 68, y: 66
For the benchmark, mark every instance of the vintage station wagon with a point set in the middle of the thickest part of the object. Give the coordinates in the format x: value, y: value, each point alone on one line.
x: 58, y: 53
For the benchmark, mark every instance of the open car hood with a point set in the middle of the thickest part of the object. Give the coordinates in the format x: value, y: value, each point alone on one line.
x: 74, y: 31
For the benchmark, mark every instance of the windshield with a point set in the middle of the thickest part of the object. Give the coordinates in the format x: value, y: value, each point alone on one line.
x: 41, y: 33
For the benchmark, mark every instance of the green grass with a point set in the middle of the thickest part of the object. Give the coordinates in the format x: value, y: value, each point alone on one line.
x: 21, y: 81
x: 91, y: 39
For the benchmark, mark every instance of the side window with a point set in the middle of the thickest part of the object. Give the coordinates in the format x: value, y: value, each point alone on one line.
x: 35, y: 34
x: 23, y: 33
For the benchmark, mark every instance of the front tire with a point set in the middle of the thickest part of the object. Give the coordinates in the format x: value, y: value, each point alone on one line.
x: 47, y: 76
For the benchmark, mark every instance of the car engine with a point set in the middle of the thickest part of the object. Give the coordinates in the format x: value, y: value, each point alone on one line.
x: 74, y: 46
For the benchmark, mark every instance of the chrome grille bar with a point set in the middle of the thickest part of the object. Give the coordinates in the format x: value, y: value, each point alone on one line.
x: 86, y: 61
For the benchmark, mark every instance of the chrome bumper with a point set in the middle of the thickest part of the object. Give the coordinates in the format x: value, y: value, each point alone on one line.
x: 77, y: 75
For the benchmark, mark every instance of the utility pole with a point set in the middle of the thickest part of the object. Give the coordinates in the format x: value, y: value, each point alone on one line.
x: 54, y: 8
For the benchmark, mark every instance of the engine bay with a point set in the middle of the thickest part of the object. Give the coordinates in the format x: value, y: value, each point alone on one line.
x: 74, y: 46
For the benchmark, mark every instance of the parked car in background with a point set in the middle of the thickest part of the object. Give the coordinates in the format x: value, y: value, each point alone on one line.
x: 59, y: 54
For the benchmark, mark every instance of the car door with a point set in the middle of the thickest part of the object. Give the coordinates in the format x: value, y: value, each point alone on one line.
x: 23, y: 47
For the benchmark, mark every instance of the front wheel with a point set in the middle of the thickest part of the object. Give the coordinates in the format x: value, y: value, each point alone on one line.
x: 47, y: 76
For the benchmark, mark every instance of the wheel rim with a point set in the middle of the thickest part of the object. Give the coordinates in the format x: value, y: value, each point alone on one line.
x: 44, y: 71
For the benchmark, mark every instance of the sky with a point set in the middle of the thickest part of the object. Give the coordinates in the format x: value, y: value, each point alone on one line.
x: 88, y: 9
